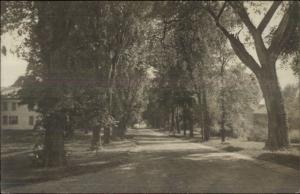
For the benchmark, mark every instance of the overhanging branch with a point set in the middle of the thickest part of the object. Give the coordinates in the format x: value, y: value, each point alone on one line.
x: 265, y: 21
x: 221, y: 11
x: 239, y: 8
x: 237, y: 46
x: 261, y: 49
x: 284, y: 31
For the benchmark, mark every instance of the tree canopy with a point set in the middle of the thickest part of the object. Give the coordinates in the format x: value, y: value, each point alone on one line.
x: 108, y: 64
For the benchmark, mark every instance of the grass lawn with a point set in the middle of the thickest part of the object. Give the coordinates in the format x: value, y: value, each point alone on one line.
x: 17, y: 168
x: 289, y: 157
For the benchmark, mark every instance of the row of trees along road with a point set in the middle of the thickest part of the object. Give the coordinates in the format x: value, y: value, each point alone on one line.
x: 284, y: 40
x: 280, y: 41
x: 193, y: 85
x: 89, y: 65
x: 84, y: 66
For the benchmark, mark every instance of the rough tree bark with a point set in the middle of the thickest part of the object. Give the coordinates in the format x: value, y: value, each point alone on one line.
x: 184, y: 119
x: 223, y: 110
x: 54, y: 153
x: 172, y: 129
x: 106, y: 135
x: 191, y: 126
x: 96, y: 137
x: 49, y: 35
x: 119, y: 131
x: 206, y: 117
x: 204, y: 112
x: 177, y: 120
x: 223, y: 115
x: 190, y: 122
x: 109, y: 95
x: 277, y: 123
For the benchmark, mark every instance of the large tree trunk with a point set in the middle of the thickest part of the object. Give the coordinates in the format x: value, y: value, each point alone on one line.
x: 201, y: 120
x: 223, y: 110
x: 54, y: 153
x: 184, y: 120
x: 203, y: 105
x: 119, y: 131
x: 206, y: 123
x: 123, y: 129
x: 191, y: 127
x: 106, y: 135
x: 96, y: 137
x: 167, y: 123
x: 173, y: 120
x: 266, y: 71
x: 190, y: 122
x: 277, y: 122
x: 222, y: 131
x: 69, y: 128
x: 177, y: 120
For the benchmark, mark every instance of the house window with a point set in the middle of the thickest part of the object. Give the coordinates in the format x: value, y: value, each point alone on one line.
x: 31, y: 120
x: 14, y: 106
x: 4, y: 120
x: 4, y: 106
x: 13, y: 120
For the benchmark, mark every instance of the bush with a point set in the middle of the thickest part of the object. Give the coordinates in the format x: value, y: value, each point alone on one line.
x: 214, y: 132
x: 257, y: 134
x: 294, y: 136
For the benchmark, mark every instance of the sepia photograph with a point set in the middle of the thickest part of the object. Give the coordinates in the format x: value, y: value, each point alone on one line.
x: 150, y: 97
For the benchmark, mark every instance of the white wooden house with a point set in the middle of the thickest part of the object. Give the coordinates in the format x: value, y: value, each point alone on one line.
x: 14, y: 115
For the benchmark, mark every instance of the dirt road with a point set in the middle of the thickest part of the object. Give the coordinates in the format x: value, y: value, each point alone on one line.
x: 158, y: 163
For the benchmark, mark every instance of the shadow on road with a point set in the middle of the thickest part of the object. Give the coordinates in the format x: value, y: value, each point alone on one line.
x: 148, y: 161
x: 289, y: 160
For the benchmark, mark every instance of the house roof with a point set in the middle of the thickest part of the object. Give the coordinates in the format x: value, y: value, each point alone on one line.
x: 261, y: 109
x: 262, y: 102
x: 11, y: 91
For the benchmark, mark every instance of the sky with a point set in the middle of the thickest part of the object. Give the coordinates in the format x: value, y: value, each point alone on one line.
x: 284, y: 72
x: 12, y: 67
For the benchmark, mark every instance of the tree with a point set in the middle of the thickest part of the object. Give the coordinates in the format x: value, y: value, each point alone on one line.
x: 186, y: 68
x: 265, y: 70
x: 41, y: 87
x: 71, y: 45
x: 291, y: 98
x: 223, y: 57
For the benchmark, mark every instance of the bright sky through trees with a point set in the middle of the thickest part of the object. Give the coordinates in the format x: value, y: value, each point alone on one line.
x: 12, y: 66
